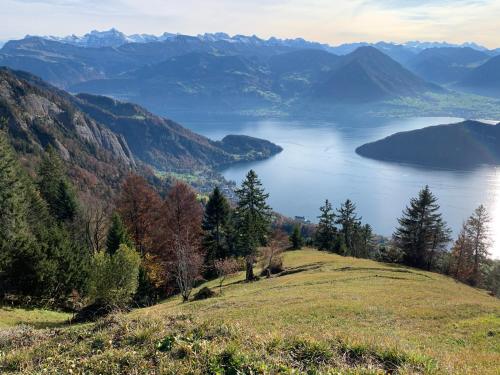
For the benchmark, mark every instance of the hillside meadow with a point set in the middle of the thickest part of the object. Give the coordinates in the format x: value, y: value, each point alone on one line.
x: 324, y: 314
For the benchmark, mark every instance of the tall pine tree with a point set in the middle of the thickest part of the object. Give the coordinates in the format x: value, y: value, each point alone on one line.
x: 55, y: 188
x: 253, y: 218
x: 326, y: 233
x: 421, y: 229
x: 16, y: 263
x: 117, y: 235
x: 296, y: 238
x: 349, y: 226
x: 216, y: 228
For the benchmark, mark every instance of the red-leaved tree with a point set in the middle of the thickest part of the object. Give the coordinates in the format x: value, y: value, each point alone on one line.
x: 138, y: 205
x: 178, y: 240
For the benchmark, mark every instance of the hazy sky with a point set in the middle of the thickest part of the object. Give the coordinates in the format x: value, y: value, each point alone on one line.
x: 329, y: 21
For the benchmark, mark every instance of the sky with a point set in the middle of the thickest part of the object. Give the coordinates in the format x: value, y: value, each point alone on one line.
x: 328, y: 21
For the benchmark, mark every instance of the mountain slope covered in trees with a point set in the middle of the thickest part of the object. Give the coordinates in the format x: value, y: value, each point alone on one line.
x: 104, y: 139
x: 166, y: 145
x: 38, y: 115
x: 463, y: 145
x: 331, y: 313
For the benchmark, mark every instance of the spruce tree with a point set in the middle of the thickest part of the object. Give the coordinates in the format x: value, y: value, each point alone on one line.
x: 38, y: 256
x: 440, y: 237
x: 15, y: 237
x: 66, y: 206
x: 117, y: 235
x: 365, y: 241
x: 349, y: 226
x: 296, y: 238
x: 420, y: 230
x: 326, y: 232
x: 253, y: 218
x: 55, y: 188
x: 216, y: 231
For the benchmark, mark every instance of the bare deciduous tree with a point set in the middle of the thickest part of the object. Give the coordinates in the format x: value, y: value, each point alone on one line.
x: 95, y: 216
x: 272, y: 255
x: 225, y: 268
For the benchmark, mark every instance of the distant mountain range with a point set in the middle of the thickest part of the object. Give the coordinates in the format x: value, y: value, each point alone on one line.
x: 103, y: 139
x: 218, y: 72
x: 446, y: 65
x: 457, y: 146
x: 483, y: 80
x: 116, y: 38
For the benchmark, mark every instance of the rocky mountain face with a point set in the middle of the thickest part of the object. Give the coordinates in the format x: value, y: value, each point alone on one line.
x: 103, y: 139
x: 38, y: 115
x: 166, y: 145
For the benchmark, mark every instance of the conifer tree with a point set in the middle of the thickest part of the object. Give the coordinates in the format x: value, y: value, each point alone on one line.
x: 66, y: 206
x: 38, y: 257
x: 477, y: 232
x: 55, y: 188
x: 253, y: 218
x: 349, y: 225
x: 117, y: 235
x: 420, y: 230
x: 365, y: 241
x: 15, y: 238
x: 216, y: 231
x: 296, y: 238
x: 326, y: 232
x: 440, y: 237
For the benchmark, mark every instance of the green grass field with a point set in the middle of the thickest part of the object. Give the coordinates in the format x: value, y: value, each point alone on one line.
x: 330, y: 314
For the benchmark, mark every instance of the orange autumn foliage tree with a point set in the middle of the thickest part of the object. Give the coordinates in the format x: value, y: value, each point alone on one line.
x: 178, y: 240
x: 138, y: 205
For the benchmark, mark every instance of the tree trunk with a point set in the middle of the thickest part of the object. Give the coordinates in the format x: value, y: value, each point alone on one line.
x: 249, y: 266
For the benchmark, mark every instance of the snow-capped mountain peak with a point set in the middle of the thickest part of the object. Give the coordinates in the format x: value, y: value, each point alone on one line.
x: 115, y: 38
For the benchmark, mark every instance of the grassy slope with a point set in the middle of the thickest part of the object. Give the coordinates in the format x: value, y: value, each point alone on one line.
x: 342, y: 313
x: 38, y: 318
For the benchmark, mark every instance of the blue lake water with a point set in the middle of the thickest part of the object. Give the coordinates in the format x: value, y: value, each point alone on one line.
x: 319, y: 162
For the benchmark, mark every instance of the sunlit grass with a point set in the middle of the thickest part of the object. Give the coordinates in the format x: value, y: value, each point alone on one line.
x: 39, y: 318
x: 333, y: 313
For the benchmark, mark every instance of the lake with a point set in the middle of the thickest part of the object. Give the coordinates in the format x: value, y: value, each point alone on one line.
x: 319, y: 162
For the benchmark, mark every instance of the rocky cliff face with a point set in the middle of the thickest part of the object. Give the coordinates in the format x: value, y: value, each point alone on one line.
x: 166, y: 145
x: 38, y: 115
x: 103, y: 139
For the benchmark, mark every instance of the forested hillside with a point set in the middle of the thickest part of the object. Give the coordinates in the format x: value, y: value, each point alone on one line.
x: 103, y: 140
x: 458, y: 146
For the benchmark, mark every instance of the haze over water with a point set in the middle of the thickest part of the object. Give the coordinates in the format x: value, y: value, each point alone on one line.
x: 319, y: 162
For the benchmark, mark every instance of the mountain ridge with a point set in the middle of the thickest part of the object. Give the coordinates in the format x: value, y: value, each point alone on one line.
x: 116, y: 38
x: 103, y: 140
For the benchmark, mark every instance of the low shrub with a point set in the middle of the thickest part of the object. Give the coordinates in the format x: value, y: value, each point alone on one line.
x: 203, y: 293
